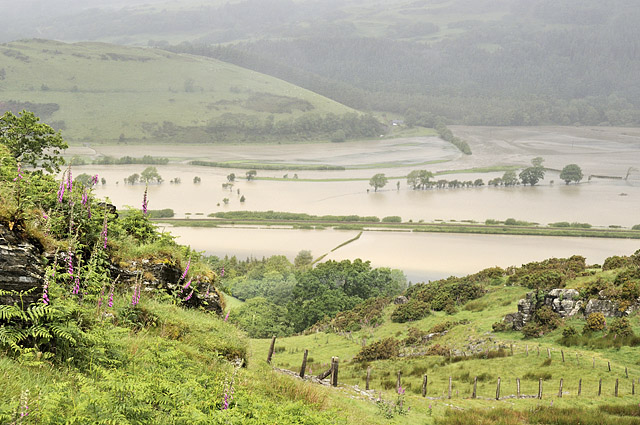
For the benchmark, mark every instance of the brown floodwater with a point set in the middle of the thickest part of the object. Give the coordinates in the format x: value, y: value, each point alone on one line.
x: 421, y: 256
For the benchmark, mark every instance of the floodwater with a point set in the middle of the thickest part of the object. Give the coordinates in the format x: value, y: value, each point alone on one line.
x: 598, y: 201
x: 421, y: 256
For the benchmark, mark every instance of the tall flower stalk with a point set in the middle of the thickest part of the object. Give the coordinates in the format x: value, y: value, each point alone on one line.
x: 145, y: 200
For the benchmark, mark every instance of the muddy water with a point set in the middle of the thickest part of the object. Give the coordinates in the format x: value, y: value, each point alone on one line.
x: 421, y: 256
x: 599, y: 202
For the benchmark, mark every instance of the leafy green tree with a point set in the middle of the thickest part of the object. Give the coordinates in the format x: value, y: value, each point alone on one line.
x: 132, y: 179
x: 261, y: 318
x: 419, y: 179
x: 197, y: 179
x: 571, y: 173
x: 31, y: 142
x: 509, y: 178
x: 532, y: 175
x: 303, y: 259
x: 378, y: 181
x: 149, y: 175
x: 251, y: 174
x: 231, y: 177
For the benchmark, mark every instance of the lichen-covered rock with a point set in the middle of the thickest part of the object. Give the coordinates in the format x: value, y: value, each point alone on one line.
x: 20, y: 266
x: 607, y: 307
x: 565, y: 302
x: 401, y: 299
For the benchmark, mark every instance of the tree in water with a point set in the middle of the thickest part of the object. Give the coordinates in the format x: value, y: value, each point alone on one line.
x: 377, y: 181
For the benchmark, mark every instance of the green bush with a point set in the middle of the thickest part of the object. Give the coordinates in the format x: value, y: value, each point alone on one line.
x: 501, y: 327
x: 595, y: 322
x: 392, y: 219
x: 379, y: 350
x: 621, y: 327
x: 415, y: 309
x: 533, y: 330
x: 569, y: 332
x: 414, y: 336
x: 616, y: 262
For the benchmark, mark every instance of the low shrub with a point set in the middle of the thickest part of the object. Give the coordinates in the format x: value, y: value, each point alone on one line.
x: 380, y: 350
x: 621, y: 327
x: 536, y: 376
x: 438, y: 350
x: 502, y: 327
x: 414, y: 336
x: 595, y: 322
x: 392, y: 219
x: 415, y: 309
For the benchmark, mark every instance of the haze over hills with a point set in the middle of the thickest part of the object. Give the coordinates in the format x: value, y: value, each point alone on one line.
x: 480, y: 62
x: 101, y: 92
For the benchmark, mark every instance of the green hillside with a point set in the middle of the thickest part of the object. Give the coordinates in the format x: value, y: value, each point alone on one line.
x: 97, y: 92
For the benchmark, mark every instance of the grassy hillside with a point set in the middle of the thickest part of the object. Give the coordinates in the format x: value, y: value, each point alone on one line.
x: 97, y: 92
x: 479, y: 351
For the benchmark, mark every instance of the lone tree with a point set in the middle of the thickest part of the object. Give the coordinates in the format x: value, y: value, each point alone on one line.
x: 377, y: 181
x: 31, y: 142
x: 251, y: 174
x: 571, y: 173
x: 532, y: 175
x: 149, y: 175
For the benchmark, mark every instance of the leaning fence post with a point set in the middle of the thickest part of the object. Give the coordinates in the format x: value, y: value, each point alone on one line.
x: 498, y: 390
x: 562, y: 352
x: 600, y: 387
x: 580, y: 386
x: 303, y: 368
x: 560, y: 392
x: 475, y: 386
x: 271, y: 348
x: 424, y: 386
x: 368, y: 377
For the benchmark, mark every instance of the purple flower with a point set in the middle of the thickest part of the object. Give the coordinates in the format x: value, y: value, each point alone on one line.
x: 110, y: 303
x: 70, y: 261
x: 189, y: 296
x: 186, y: 270
x: 45, y: 216
x: 94, y: 179
x: 101, y: 296
x: 186, y: 286
x: 103, y: 234
x: 222, y: 273
x: 19, y: 177
x: 226, y: 317
x: 400, y: 390
x: 61, y: 190
x: 45, y: 290
x: 135, y: 299
x: 76, y: 288
x: 85, y: 197
x: 69, y: 181
x: 145, y: 201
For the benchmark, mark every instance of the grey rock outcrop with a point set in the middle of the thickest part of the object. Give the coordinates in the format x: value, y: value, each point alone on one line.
x: 401, y: 299
x: 565, y: 302
x: 20, y: 266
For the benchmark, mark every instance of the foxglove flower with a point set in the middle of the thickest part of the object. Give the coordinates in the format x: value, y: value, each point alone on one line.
x: 222, y: 273
x: 110, y: 303
x: 187, y: 285
x: 189, y: 296
x: 19, y: 176
x: 186, y: 270
x: 145, y: 201
x: 76, y: 288
x: 69, y: 181
x: 70, y: 262
x: 94, y: 180
x: 61, y: 190
x: 103, y: 234
x: 85, y: 197
x: 226, y: 317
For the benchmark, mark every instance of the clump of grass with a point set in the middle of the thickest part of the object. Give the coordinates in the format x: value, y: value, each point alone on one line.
x: 535, y: 376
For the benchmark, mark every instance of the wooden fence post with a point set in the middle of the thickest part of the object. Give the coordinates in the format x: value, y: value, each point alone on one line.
x: 511, y: 349
x: 334, y: 371
x: 475, y: 387
x: 498, y: 390
x: 424, y: 386
x: 562, y: 352
x: 517, y: 387
x: 594, y: 363
x: 560, y: 392
x: 609, y: 366
x: 600, y: 387
x: 449, y: 387
x: 271, y: 348
x: 616, y: 390
x: 548, y: 353
x: 399, y: 381
x: 580, y: 386
x: 368, y: 377
x: 540, y: 388
x: 626, y: 372
x: 303, y: 368
x: 527, y: 348
x: 633, y: 387
x: 538, y: 351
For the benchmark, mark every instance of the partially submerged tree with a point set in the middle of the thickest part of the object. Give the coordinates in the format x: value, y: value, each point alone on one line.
x: 378, y: 181
x: 571, y: 173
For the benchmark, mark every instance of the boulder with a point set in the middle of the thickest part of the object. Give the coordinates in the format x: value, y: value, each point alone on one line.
x: 607, y: 307
x: 20, y: 265
x: 401, y: 300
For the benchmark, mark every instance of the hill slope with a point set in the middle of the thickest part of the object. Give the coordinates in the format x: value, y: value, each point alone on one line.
x: 100, y: 92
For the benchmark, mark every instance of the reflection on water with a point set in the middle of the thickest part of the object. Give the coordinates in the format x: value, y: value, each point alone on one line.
x: 421, y: 256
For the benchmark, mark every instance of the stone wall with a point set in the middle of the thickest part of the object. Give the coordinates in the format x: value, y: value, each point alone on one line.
x: 566, y: 303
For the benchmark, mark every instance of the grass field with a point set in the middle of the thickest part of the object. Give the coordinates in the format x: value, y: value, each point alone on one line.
x: 98, y: 92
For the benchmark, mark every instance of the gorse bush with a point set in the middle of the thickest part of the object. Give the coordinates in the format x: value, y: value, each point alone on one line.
x: 595, y: 322
x: 415, y: 309
x: 379, y: 350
